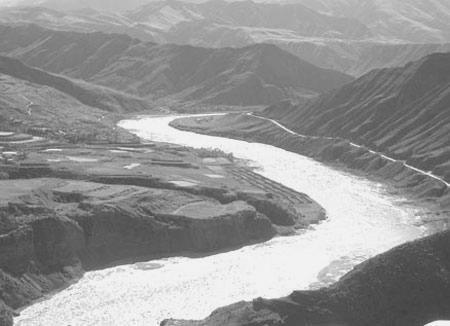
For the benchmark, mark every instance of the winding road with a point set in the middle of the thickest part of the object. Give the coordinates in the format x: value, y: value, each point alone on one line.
x: 427, y: 173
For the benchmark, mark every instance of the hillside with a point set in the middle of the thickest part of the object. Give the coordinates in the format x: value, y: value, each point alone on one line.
x: 358, y: 57
x: 254, y: 75
x: 329, y: 38
x: 42, y: 111
x: 87, y: 94
x: 402, y: 112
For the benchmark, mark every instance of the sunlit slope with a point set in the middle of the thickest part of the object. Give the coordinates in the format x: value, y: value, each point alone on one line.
x: 403, y: 112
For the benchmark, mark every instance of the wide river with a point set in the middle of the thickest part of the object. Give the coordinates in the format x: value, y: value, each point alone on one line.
x: 363, y: 220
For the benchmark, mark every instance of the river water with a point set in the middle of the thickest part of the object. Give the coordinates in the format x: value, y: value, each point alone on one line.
x: 363, y: 220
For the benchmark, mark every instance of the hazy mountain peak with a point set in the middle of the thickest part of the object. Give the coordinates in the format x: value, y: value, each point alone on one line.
x: 407, y: 20
x: 104, y: 5
x: 352, y: 36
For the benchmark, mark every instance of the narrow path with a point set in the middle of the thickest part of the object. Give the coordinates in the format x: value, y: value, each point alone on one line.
x: 354, y: 145
x: 30, y: 103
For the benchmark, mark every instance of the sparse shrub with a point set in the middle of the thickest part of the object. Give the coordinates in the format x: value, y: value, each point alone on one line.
x: 214, y: 153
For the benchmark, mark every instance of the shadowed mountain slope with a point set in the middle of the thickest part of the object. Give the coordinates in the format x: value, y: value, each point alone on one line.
x: 403, y: 112
x: 254, y: 75
x: 90, y: 95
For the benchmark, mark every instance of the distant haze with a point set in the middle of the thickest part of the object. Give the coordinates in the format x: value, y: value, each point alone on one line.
x: 111, y: 5
x: 351, y: 36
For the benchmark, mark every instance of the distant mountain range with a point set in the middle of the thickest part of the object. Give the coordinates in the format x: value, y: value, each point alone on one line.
x: 403, y: 112
x: 247, y: 17
x: 415, y: 21
x: 254, y: 75
x: 351, y: 36
x: 110, y: 5
x: 418, y: 21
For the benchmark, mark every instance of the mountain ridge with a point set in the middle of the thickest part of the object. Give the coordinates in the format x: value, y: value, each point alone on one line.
x: 328, y: 40
x: 399, y: 111
x: 182, y: 73
x: 412, y: 20
x: 101, y: 98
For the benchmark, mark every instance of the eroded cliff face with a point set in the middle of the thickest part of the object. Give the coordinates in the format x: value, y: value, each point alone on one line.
x: 101, y: 205
x: 127, y: 232
x: 44, y: 249
x: 407, y: 286
x: 39, y: 253
x: 59, y: 228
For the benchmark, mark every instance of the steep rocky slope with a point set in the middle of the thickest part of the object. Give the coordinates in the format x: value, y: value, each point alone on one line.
x: 402, y: 112
x: 254, y: 75
x: 407, y: 286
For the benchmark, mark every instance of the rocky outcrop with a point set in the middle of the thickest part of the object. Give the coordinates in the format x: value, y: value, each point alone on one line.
x: 38, y: 254
x: 124, y: 233
x: 407, y: 286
